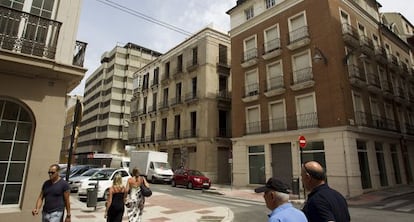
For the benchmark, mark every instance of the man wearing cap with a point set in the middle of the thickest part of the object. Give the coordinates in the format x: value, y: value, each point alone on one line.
x: 323, y: 203
x: 276, y: 195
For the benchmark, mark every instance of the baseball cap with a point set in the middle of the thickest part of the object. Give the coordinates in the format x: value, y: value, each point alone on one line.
x: 273, y: 184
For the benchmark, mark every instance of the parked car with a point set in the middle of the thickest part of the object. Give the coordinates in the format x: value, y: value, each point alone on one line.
x: 76, y: 170
x: 191, y: 179
x: 75, y: 181
x: 103, y: 177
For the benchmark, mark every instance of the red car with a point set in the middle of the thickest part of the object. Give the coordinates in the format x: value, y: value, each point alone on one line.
x: 191, y: 179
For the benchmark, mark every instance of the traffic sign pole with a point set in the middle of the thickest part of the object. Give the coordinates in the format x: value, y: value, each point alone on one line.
x: 302, y: 145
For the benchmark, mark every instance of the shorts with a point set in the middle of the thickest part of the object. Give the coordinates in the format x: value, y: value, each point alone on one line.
x: 55, y: 216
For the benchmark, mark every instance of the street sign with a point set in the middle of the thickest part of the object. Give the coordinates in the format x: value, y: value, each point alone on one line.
x: 302, y: 142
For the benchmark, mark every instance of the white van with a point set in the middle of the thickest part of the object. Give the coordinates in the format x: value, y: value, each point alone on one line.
x: 120, y: 162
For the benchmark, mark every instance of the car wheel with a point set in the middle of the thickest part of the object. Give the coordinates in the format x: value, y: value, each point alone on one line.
x: 173, y: 183
x: 190, y: 185
x: 106, y: 194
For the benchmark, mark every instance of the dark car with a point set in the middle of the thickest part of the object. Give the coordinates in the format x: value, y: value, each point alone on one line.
x: 191, y: 179
x: 76, y: 170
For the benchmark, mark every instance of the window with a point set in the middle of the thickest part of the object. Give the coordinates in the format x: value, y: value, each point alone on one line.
x: 375, y: 112
x: 395, y: 163
x: 302, y: 70
x: 142, y: 132
x: 178, y: 92
x: 306, y: 111
x: 42, y: 8
x: 152, y: 131
x: 363, y: 164
x: 164, y: 129
x: 274, y: 76
x: 315, y: 151
x: 253, y: 120
x: 297, y: 28
x: 193, y: 122
x: 195, y: 56
x: 16, y: 130
x: 277, y: 116
x: 15, y: 4
x: 249, y: 13
x: 272, y: 39
x: 360, y: 116
x: 381, y: 164
x: 177, y: 126
x: 222, y: 54
x: 180, y: 63
x: 257, y: 173
x: 251, y: 83
x: 250, y: 48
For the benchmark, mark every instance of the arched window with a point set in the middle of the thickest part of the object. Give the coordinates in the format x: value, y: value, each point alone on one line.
x: 16, y: 130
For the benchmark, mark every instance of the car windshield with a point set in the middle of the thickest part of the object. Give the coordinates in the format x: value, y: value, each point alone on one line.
x: 89, y: 172
x: 164, y: 166
x: 102, y: 174
x: 195, y: 173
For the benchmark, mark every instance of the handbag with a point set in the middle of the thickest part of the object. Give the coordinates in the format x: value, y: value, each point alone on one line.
x: 145, y: 191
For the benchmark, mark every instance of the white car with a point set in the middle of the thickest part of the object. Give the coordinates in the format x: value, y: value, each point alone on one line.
x: 75, y: 182
x: 103, y: 177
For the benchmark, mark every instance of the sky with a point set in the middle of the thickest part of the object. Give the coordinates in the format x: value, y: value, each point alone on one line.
x: 103, y: 26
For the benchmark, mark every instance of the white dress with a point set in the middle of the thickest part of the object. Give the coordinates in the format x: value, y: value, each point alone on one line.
x: 136, y: 206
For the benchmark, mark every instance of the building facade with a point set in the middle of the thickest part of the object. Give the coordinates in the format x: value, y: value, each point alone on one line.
x: 330, y: 71
x: 106, y: 104
x: 40, y: 63
x: 181, y: 105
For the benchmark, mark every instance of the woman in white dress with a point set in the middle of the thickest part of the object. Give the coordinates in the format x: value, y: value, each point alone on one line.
x: 135, y: 200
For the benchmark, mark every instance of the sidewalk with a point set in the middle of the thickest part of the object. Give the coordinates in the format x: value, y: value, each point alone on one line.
x: 159, y: 207
x: 379, y: 195
x: 166, y: 208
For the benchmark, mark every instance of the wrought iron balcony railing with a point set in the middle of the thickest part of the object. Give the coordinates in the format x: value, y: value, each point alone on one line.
x: 38, y: 36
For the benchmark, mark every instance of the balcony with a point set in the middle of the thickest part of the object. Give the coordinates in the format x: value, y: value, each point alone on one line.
x: 275, y: 86
x: 175, y: 101
x: 249, y: 58
x: 178, y: 72
x: 174, y: 135
x: 278, y: 124
x: 302, y: 79
x: 192, y: 133
x: 375, y: 121
x: 298, y: 38
x: 380, y: 54
x: 374, y: 84
x: 191, y: 97
x: 393, y: 61
x: 192, y: 65
x: 307, y: 120
x: 161, y: 137
x: 367, y: 46
x: 162, y: 106
x: 251, y: 92
x: 272, y: 49
x: 409, y: 129
x: 154, y: 84
x: 356, y: 76
x: 38, y: 37
x: 223, y: 65
x: 80, y: 50
x: 224, y: 133
x: 350, y: 35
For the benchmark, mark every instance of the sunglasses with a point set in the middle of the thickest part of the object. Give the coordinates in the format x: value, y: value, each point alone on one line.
x: 51, y: 172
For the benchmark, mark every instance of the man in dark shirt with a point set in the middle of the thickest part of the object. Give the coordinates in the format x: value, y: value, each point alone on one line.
x: 56, y: 193
x: 324, y: 204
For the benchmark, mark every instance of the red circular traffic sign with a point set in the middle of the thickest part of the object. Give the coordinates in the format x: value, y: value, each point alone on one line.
x: 302, y: 141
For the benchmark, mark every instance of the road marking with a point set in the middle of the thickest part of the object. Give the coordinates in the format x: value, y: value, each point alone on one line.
x: 214, y: 200
x: 392, y: 204
x: 250, y: 202
x: 407, y: 208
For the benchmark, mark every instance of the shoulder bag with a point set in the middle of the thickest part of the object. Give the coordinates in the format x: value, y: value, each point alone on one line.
x: 145, y: 191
